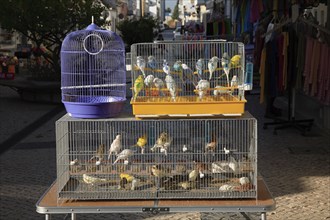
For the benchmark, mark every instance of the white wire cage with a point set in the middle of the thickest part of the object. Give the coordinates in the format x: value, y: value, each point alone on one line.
x: 156, y: 159
x: 93, y: 73
x: 188, y: 78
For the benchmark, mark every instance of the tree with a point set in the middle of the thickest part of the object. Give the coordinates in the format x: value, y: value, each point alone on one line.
x: 137, y: 30
x: 46, y: 23
x: 175, y: 14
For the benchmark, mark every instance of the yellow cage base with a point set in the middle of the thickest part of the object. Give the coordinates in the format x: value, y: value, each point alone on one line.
x: 190, y: 106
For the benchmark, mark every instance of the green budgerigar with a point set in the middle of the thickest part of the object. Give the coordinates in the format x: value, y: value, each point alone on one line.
x: 138, y: 85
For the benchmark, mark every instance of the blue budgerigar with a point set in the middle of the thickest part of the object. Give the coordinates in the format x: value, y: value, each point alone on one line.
x: 189, y: 75
x: 177, y: 66
x: 212, y: 65
x: 152, y: 62
x: 166, y: 67
x: 200, y: 67
x: 141, y: 63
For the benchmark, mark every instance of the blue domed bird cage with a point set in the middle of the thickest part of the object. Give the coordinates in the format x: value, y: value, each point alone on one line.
x: 93, y: 73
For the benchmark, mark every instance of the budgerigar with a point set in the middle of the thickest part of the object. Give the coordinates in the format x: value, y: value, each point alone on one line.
x: 124, y: 155
x: 177, y: 66
x: 115, y: 146
x: 148, y: 81
x: 138, y: 85
x: 166, y: 68
x: 190, y: 75
x: 141, y: 63
x: 235, y: 61
x: 212, y: 65
x: 200, y: 67
x: 202, y: 87
x: 159, y: 84
x: 233, y: 81
x: 171, y: 86
x: 151, y: 62
x: 218, y: 90
x: 225, y: 65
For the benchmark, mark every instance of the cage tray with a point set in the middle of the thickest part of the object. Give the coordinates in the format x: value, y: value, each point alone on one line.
x: 188, y: 106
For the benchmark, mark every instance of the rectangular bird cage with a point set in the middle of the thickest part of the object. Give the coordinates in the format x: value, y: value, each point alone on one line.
x: 188, y: 78
x: 126, y: 158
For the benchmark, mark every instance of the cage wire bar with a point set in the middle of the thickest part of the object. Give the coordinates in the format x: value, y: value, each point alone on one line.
x: 190, y: 80
x: 167, y: 159
x: 93, y: 73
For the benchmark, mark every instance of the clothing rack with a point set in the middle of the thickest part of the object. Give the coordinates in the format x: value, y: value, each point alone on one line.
x: 302, y: 125
x: 321, y: 28
x: 278, y: 26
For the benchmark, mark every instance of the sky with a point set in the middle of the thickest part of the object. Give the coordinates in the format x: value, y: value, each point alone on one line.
x: 170, y: 4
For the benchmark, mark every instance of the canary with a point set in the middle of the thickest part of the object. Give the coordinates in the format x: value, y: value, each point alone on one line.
x: 99, y: 153
x: 193, y: 175
x: 115, y: 146
x: 124, y: 155
x: 93, y: 180
x: 210, y: 146
x: 138, y: 85
x: 141, y: 142
x: 128, y: 177
x: 162, y: 139
x: 157, y: 171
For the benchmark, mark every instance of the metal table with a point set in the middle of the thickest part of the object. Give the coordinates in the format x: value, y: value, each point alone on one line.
x: 48, y: 205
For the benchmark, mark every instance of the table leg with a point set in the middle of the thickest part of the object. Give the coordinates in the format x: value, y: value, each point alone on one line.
x: 73, y: 216
x: 47, y: 217
x: 263, y: 216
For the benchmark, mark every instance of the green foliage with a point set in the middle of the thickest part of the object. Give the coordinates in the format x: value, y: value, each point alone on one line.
x: 46, y: 23
x: 137, y: 30
x: 175, y: 14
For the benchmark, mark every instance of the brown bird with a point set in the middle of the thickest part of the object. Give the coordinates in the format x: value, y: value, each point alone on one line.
x: 158, y: 171
x: 211, y: 146
x: 99, y: 153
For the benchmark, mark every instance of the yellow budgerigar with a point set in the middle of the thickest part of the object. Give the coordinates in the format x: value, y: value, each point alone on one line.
x: 138, y: 85
x: 235, y: 61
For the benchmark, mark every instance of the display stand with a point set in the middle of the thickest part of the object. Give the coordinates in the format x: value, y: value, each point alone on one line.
x: 48, y: 204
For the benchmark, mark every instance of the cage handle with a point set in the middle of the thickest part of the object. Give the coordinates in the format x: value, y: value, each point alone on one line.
x: 84, y: 44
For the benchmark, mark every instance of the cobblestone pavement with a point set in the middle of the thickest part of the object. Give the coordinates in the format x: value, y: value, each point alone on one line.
x: 296, y: 168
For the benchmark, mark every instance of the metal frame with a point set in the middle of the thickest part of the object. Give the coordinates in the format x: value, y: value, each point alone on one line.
x: 48, y: 205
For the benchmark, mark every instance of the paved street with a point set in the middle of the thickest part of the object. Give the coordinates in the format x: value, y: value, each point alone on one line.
x: 296, y: 168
